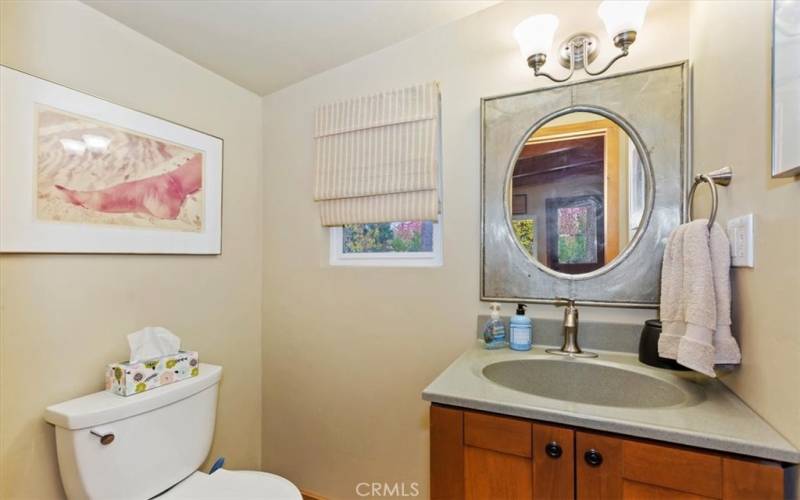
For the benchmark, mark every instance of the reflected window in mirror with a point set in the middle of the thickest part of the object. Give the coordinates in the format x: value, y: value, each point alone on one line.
x: 524, y: 226
x: 583, y: 187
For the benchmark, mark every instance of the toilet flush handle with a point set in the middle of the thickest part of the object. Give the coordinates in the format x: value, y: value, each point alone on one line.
x: 105, y: 435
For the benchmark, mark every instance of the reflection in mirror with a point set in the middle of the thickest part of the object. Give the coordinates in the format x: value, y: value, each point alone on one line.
x: 577, y: 193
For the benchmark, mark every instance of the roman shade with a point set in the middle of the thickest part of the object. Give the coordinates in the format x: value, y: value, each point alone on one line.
x: 376, y: 158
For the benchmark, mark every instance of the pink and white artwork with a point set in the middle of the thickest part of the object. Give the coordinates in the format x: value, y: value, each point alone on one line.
x: 79, y: 174
x: 94, y: 173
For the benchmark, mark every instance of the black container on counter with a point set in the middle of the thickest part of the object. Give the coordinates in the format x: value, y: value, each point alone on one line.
x: 648, y: 347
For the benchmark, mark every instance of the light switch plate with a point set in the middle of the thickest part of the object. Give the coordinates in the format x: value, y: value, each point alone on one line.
x: 740, y: 233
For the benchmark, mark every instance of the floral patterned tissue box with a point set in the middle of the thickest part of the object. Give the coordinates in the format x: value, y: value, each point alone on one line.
x: 132, y: 378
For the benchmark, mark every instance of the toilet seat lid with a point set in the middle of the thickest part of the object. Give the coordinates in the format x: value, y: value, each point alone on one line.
x: 233, y: 485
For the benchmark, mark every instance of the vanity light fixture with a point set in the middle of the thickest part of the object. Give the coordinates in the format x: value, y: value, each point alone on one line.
x: 622, y: 18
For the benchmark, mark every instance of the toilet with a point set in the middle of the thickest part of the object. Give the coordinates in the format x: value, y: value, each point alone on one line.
x: 151, y: 445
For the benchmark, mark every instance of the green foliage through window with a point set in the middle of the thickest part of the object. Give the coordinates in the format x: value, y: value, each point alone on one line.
x: 403, y: 237
x: 525, y: 230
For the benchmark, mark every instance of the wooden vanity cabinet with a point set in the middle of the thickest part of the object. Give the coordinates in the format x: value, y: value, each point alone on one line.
x: 480, y: 456
x: 615, y: 467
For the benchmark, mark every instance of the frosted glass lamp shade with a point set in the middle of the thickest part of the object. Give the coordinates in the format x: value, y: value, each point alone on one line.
x: 535, y: 34
x: 620, y: 16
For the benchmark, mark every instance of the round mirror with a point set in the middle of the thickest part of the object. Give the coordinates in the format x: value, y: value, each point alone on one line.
x: 577, y: 193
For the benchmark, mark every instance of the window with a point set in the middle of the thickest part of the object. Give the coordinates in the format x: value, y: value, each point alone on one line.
x: 525, y: 230
x: 399, y: 244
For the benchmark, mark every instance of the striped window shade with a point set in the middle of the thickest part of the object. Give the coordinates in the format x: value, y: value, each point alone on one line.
x: 376, y: 158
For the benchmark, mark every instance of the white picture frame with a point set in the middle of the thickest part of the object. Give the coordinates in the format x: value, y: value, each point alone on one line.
x: 785, y: 88
x: 25, y: 227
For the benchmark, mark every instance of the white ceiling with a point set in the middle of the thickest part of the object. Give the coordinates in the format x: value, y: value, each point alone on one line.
x: 264, y: 45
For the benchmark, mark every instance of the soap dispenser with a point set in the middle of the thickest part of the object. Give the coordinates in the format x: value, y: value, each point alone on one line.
x: 520, y: 330
x: 494, y: 332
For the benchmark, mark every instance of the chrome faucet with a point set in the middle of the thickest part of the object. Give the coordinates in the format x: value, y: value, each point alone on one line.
x: 570, y: 346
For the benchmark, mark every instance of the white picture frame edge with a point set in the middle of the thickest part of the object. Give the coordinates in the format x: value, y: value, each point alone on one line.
x: 776, y: 169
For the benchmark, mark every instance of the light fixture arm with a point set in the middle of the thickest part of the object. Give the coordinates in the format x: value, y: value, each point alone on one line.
x: 623, y: 42
x: 536, y: 62
x: 612, y: 61
x: 581, y: 50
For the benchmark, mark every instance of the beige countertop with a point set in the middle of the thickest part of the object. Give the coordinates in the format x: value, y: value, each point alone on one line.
x: 714, y: 418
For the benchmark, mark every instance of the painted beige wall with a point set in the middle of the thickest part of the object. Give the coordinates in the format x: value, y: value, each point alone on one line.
x: 347, y: 351
x: 732, y: 127
x: 62, y: 317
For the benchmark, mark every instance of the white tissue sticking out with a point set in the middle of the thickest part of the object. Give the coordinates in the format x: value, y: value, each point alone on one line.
x: 153, y: 342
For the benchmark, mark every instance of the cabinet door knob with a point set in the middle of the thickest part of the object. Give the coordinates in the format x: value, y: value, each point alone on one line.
x: 553, y: 449
x: 593, y: 457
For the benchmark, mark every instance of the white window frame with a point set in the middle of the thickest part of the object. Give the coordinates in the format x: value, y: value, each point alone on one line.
x: 386, y: 259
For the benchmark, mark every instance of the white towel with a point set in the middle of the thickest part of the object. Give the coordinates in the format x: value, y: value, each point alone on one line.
x: 672, y: 320
x: 695, y: 299
x: 726, y: 350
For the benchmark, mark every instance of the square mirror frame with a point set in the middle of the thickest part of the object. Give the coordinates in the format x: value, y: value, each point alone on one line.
x: 651, y: 105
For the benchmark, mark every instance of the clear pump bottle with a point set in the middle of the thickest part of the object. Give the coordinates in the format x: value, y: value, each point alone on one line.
x: 494, y: 332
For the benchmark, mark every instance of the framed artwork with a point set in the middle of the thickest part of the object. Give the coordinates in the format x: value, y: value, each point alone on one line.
x: 519, y: 204
x: 785, y: 88
x: 575, y: 234
x: 79, y: 174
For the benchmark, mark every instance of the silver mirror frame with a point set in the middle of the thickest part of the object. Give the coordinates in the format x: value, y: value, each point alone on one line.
x: 651, y: 105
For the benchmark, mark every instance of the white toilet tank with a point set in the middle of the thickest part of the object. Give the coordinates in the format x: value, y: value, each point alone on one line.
x: 159, y: 437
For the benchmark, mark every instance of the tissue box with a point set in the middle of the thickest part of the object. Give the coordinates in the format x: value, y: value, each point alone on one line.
x: 132, y: 378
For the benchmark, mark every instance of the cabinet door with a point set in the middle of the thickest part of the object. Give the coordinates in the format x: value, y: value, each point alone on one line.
x: 553, y: 462
x: 614, y: 468
x: 610, y: 467
x: 745, y: 479
x: 511, y: 458
x: 497, y: 457
x: 489, y: 474
x: 447, y: 453
x: 598, y: 466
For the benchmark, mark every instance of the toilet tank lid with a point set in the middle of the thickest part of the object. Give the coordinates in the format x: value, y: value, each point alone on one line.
x: 104, y: 407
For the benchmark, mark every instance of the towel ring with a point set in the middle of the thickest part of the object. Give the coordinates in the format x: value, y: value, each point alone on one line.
x: 722, y: 177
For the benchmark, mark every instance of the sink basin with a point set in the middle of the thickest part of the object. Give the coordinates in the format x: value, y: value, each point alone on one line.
x: 590, y: 382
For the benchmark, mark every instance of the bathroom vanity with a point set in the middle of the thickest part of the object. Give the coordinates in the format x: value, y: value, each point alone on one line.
x: 582, y: 183
x: 533, y: 425
x: 520, y: 458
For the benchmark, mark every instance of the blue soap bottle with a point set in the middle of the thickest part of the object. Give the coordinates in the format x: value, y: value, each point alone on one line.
x: 520, y: 330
